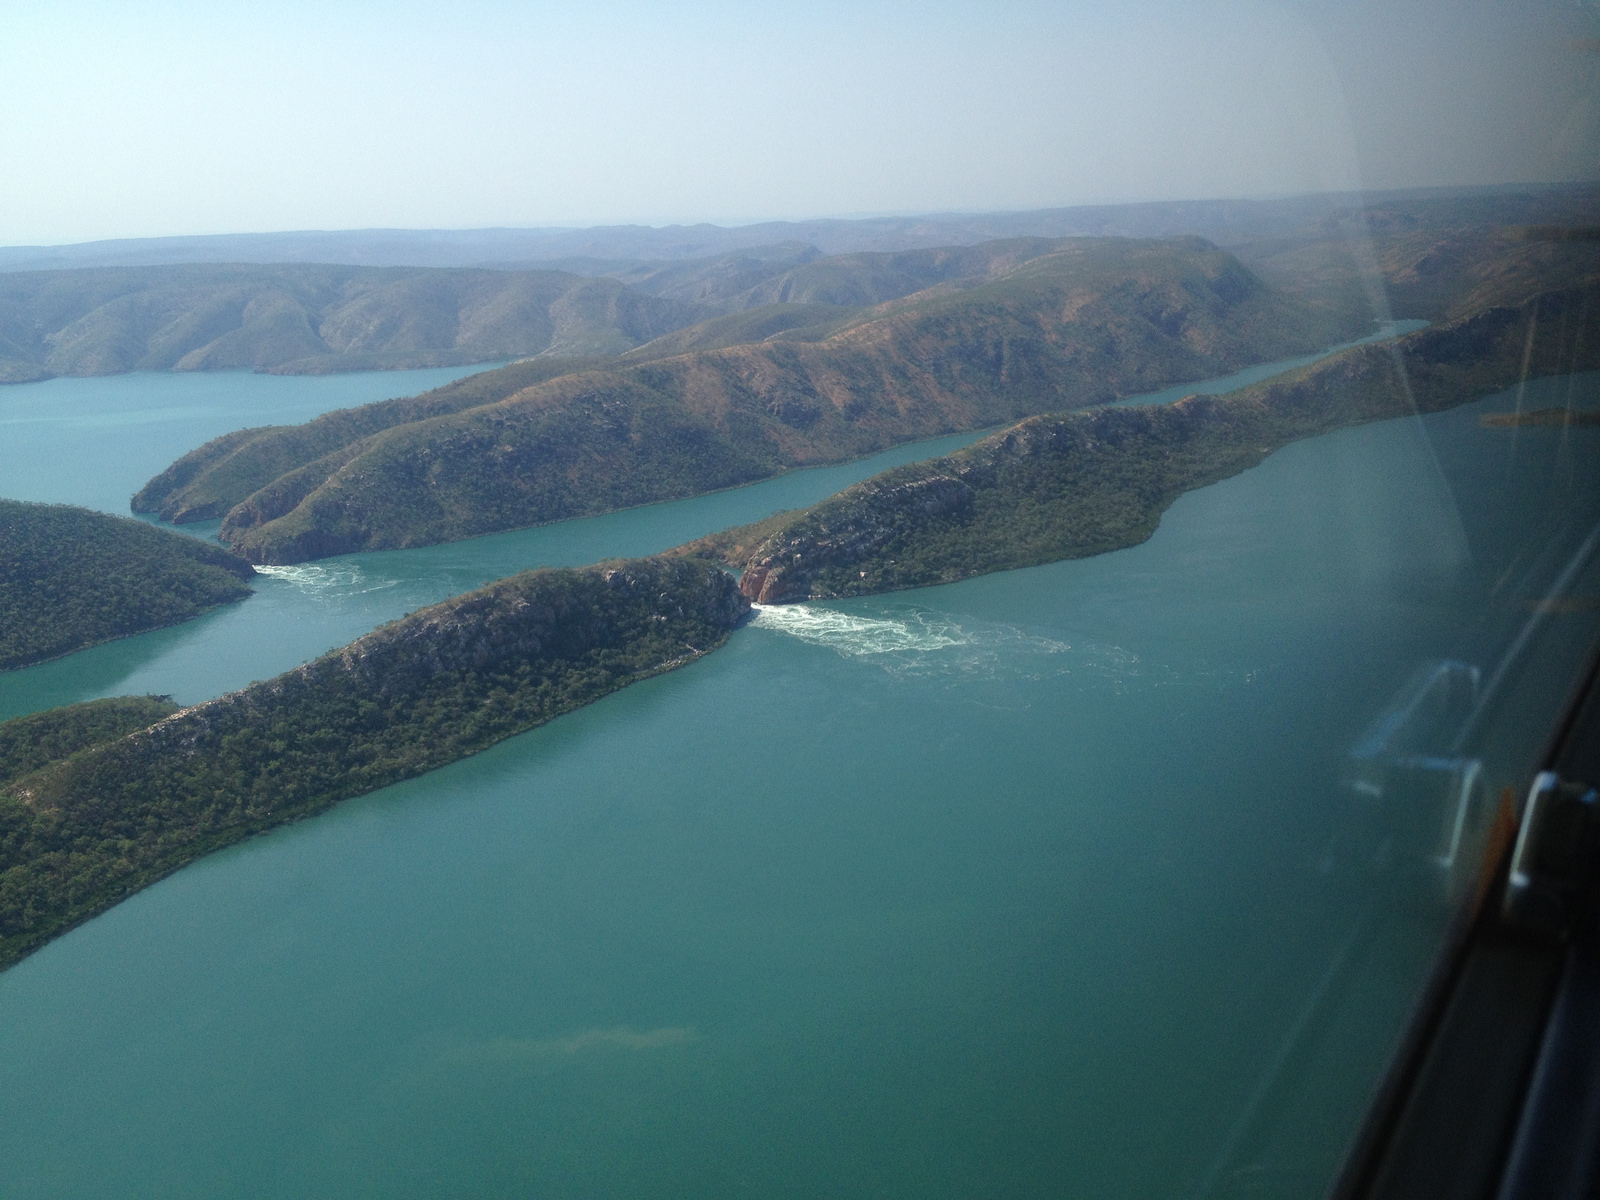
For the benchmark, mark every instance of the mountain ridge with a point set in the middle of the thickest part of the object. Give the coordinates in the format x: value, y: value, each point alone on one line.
x: 311, y: 318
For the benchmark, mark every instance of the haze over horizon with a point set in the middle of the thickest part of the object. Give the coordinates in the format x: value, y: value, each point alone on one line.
x: 184, y: 119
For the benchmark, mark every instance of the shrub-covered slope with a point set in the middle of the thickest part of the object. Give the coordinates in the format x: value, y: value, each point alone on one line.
x: 70, y: 578
x: 78, y: 835
x: 769, y: 322
x: 1097, y: 319
x: 1072, y: 485
x: 209, y: 480
x: 35, y: 741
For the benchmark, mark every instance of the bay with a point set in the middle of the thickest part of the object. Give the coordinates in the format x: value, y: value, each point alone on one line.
x: 1042, y: 882
x: 95, y: 441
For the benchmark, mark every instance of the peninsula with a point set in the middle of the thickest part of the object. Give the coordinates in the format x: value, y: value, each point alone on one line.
x: 99, y: 800
x: 70, y: 578
x: 1076, y: 484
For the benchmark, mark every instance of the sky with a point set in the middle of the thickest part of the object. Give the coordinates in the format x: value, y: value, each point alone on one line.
x: 168, y: 117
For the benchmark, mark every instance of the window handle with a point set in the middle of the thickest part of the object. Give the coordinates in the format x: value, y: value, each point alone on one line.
x: 1553, y: 867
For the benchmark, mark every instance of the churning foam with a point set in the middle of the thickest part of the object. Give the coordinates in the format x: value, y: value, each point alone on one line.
x: 316, y: 579
x: 906, y: 641
x: 853, y: 636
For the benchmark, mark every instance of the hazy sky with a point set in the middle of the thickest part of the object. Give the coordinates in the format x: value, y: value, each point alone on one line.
x: 140, y: 119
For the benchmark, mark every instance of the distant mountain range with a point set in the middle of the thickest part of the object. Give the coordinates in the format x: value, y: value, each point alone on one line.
x: 602, y: 249
x: 311, y: 318
x: 388, y: 299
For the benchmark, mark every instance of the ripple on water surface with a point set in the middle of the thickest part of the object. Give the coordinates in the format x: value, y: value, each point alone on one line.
x: 912, y: 640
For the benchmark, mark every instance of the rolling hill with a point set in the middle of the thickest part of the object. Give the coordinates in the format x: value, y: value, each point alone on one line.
x: 791, y: 274
x: 1092, y: 320
x: 304, y: 318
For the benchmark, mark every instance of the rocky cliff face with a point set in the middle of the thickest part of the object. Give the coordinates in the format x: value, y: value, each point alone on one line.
x: 858, y: 527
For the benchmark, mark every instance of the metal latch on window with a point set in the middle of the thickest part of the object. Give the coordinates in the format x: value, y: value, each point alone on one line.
x: 1553, y: 867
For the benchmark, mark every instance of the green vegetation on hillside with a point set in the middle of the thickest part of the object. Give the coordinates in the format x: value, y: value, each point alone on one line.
x: 79, y: 834
x: 1072, y: 485
x: 205, y: 483
x: 1092, y: 321
x: 70, y: 578
x: 30, y: 743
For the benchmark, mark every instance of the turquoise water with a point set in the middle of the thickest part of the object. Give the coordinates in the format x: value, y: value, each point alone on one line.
x: 1048, y: 882
x: 1244, y: 378
x: 119, y: 430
